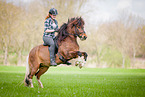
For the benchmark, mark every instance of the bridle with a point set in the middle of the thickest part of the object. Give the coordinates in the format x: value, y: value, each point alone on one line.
x: 77, y: 33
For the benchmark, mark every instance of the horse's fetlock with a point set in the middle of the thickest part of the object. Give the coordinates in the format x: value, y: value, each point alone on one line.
x: 27, y: 82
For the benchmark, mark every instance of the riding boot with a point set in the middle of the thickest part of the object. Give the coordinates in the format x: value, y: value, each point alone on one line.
x: 52, y: 57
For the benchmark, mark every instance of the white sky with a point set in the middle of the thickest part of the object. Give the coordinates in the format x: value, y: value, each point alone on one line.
x: 105, y: 10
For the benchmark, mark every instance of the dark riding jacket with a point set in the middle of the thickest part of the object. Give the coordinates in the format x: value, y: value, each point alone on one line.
x: 51, y: 26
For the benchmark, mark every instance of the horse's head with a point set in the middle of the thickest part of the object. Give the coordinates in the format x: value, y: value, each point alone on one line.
x: 76, y: 27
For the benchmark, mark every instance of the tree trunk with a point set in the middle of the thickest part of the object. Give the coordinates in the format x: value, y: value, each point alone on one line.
x: 134, y: 54
x: 5, y: 61
x: 98, y: 58
x: 19, y: 59
x: 123, y: 61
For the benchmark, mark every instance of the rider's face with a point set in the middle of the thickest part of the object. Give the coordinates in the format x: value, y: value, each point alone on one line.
x: 53, y: 16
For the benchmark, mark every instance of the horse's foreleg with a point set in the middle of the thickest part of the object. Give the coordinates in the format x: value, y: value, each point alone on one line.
x: 78, y: 54
x: 85, y: 59
x: 41, y: 71
x: 85, y: 55
x: 75, y: 54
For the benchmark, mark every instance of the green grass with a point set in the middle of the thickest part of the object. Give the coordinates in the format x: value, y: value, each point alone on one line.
x: 74, y: 82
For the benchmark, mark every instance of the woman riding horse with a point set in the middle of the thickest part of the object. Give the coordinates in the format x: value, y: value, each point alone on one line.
x: 68, y: 48
x: 51, y: 26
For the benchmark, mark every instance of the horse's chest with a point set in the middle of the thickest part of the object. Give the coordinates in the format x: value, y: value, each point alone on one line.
x: 70, y: 47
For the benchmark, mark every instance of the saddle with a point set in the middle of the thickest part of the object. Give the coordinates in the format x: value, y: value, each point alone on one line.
x: 56, y: 46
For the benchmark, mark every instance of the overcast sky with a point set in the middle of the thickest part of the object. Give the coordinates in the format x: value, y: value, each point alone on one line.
x: 107, y: 10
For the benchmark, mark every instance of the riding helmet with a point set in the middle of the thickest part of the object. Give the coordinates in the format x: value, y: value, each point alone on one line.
x: 53, y: 11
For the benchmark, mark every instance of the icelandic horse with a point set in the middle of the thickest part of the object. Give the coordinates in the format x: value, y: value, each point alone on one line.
x: 68, y: 48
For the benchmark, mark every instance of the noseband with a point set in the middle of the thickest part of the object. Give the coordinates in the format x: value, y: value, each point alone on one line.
x: 77, y: 33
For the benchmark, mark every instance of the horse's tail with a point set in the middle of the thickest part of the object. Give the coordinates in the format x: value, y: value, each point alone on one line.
x: 26, y: 81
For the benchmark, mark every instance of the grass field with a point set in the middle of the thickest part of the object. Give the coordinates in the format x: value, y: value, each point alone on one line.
x: 74, y: 82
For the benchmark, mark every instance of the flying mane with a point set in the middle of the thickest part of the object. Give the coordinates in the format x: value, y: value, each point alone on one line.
x: 62, y: 32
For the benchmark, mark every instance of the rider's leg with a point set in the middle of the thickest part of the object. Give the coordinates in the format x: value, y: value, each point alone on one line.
x: 51, y: 51
x: 49, y: 41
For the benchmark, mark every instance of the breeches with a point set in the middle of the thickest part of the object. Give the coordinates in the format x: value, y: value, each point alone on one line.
x: 50, y: 42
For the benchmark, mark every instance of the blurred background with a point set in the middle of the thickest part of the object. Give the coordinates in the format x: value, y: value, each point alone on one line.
x: 115, y: 30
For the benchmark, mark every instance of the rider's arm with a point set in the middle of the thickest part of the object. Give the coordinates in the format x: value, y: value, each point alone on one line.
x: 49, y: 31
x: 48, y: 27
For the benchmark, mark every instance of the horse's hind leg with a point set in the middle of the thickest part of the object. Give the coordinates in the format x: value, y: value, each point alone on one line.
x: 28, y: 81
x: 41, y: 71
x: 31, y: 84
x: 31, y: 74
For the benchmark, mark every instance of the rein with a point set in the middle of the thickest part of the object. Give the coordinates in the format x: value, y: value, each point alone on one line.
x: 76, y: 34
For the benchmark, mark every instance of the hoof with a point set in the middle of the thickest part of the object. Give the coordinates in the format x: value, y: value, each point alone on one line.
x: 80, y: 66
x: 27, y: 82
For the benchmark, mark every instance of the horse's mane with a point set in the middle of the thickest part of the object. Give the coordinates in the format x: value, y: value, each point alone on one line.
x: 62, y: 32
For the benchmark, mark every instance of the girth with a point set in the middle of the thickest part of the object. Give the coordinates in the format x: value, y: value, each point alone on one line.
x: 61, y: 58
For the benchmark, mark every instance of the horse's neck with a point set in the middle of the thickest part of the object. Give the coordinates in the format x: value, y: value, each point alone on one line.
x: 67, y: 39
x: 69, y: 43
x: 72, y: 40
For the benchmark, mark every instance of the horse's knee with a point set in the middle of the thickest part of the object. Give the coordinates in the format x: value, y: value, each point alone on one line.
x: 30, y: 76
x: 79, y: 53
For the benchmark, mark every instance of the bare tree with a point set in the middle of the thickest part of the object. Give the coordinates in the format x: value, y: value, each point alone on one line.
x: 7, y: 18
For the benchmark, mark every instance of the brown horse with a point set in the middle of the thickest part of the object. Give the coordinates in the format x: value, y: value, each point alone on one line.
x: 68, y: 48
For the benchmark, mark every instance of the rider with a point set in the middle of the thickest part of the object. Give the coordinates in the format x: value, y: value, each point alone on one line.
x: 50, y: 27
